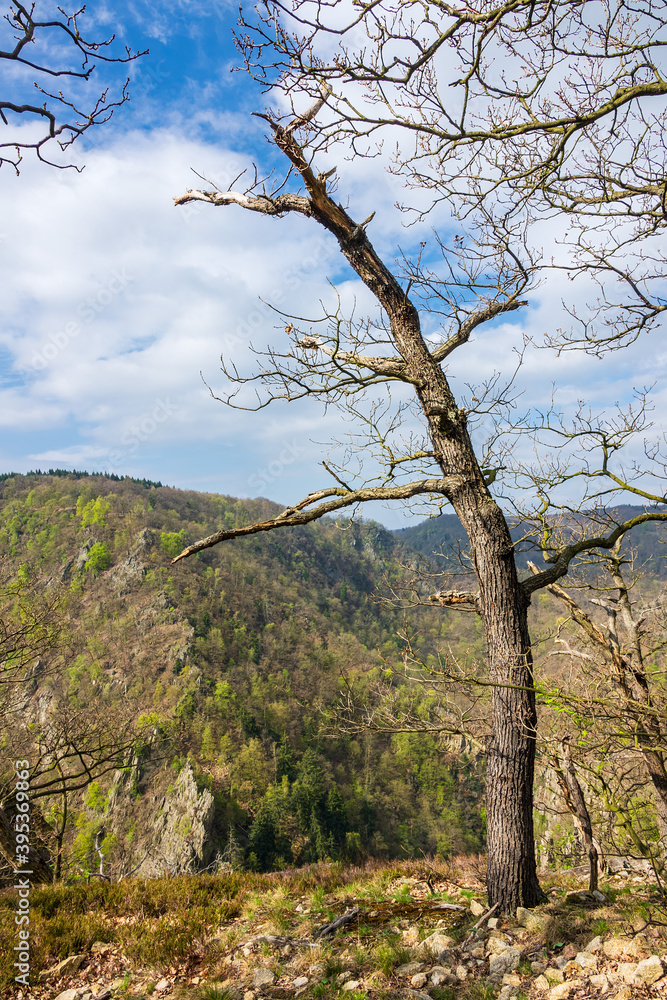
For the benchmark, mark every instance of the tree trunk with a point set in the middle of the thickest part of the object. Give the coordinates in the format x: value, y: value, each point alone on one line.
x: 576, y: 803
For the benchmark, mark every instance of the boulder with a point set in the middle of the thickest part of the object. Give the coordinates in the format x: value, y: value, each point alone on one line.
x: 648, y: 971
x: 437, y: 942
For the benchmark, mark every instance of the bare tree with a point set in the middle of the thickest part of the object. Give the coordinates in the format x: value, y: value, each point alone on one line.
x: 485, y: 277
x: 51, y: 49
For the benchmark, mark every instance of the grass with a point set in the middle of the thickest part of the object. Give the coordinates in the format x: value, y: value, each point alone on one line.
x: 178, y: 925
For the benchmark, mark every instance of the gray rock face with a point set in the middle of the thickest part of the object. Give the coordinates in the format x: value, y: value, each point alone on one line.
x: 183, y: 827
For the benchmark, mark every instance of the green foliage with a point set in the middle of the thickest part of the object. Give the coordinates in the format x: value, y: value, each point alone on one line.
x: 172, y: 542
x: 99, y: 558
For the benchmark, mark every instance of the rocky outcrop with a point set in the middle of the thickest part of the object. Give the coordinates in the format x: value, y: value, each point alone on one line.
x: 182, y: 829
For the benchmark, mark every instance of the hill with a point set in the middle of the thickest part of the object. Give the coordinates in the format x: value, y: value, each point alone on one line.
x: 444, y: 537
x: 191, y: 697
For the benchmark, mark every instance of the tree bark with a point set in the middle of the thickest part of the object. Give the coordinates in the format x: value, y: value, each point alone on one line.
x: 576, y: 803
x: 502, y: 602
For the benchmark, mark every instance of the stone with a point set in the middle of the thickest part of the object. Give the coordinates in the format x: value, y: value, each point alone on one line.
x: 537, y: 968
x: 301, y: 981
x: 510, y: 979
x: 522, y: 915
x: 661, y: 984
x: 502, y: 962
x: 409, y: 969
x: 67, y: 967
x: 316, y: 969
x: 351, y: 984
x: 343, y: 977
x: 419, y: 980
x: 541, y: 983
x: 615, y: 948
x: 162, y: 986
x: 461, y: 973
x: 492, y: 923
x: 72, y: 994
x: 496, y: 944
x: 101, y: 948
x: 586, y: 961
x: 561, y: 990
x: 649, y: 971
x: 437, y: 942
x: 626, y: 971
x: 439, y: 975
x: 508, y: 992
x: 476, y: 908
x: 263, y: 977
x: 411, y: 936
x: 600, y: 983
x: 594, y: 946
x: 554, y: 975
x: 624, y: 994
x: 248, y: 995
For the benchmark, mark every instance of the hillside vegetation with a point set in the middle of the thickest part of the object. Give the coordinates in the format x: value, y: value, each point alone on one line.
x: 216, y: 672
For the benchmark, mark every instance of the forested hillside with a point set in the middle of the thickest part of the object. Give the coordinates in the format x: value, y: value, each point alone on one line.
x: 212, y: 676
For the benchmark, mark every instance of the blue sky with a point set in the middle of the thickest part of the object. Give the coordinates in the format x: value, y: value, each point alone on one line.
x: 114, y: 301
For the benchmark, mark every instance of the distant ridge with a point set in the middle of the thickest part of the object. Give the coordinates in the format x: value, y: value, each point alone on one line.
x: 82, y: 474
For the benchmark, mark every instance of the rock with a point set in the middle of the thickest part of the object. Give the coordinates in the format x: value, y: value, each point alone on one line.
x: 600, y: 983
x: 649, y: 971
x: 522, y: 915
x: 411, y: 936
x: 510, y: 979
x: 67, y: 967
x: 586, y: 961
x: 249, y: 995
x: 615, y: 948
x: 72, y: 994
x: 537, y: 968
x: 502, y: 962
x: 439, y: 975
x: 626, y: 971
x: 317, y: 969
x: 343, y: 977
x: 476, y: 908
x: 554, y: 975
x: 492, y: 923
x: 301, y: 981
x: 418, y: 995
x: 508, y: 992
x: 541, y: 983
x: 437, y: 942
x: 183, y: 827
x: 162, y: 986
x: 496, y: 944
x: 263, y: 977
x: 594, y: 946
x: 624, y: 994
x: 409, y: 969
x: 561, y: 990
x: 351, y: 984
x: 461, y: 973
x: 419, y: 980
x: 101, y: 948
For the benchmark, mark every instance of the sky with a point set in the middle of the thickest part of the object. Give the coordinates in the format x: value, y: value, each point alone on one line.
x: 117, y: 305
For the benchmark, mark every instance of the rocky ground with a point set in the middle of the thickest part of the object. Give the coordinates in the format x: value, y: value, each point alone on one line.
x: 422, y: 936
